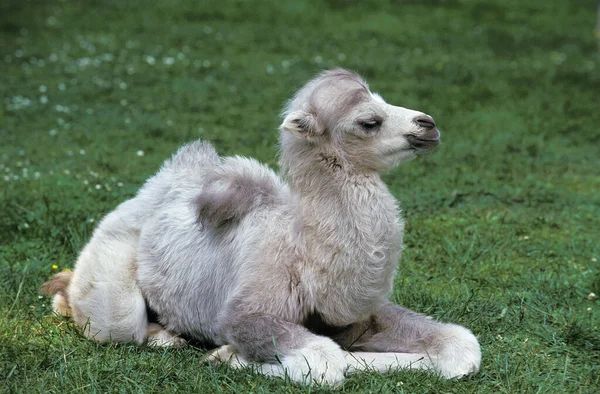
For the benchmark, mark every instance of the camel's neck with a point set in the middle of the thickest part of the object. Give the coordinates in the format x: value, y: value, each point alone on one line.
x: 351, y: 229
x: 352, y: 209
x: 323, y: 181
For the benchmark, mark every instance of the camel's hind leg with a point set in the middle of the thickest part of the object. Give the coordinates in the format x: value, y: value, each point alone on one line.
x: 103, y: 293
x: 116, y: 311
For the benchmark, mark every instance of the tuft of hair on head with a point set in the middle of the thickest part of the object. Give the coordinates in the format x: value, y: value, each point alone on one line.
x: 301, y: 115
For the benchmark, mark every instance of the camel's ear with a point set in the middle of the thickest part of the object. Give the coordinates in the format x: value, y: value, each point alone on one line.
x: 302, y: 123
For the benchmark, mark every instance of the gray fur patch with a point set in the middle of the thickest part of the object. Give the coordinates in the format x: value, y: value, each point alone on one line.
x: 217, y: 208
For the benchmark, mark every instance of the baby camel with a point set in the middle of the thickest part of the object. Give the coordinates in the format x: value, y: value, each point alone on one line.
x: 291, y: 274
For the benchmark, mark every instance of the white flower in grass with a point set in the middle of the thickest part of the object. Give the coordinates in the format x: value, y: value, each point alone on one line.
x: 82, y: 151
x: 140, y: 153
x: 62, y: 108
x: 51, y: 21
x: 62, y: 86
x: 168, y: 61
x: 44, y: 100
x: 150, y: 60
x: 98, y: 186
x: 19, y: 102
x: 84, y: 62
x: 43, y: 89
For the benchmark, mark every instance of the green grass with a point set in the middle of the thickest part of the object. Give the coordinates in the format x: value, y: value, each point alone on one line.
x: 503, y: 231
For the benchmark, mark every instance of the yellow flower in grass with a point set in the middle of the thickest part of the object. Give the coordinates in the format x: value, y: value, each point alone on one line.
x: 54, y: 267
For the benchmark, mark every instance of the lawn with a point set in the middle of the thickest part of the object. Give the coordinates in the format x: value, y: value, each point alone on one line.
x: 503, y: 218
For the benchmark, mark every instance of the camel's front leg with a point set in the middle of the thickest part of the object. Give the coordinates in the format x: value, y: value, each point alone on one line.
x: 278, y: 348
x: 397, y: 338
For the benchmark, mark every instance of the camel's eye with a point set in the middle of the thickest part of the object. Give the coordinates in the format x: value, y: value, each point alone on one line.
x: 370, y: 124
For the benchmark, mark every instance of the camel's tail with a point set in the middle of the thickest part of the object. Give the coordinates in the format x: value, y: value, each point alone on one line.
x: 57, y: 288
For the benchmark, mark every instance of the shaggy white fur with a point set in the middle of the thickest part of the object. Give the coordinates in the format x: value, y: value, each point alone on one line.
x: 288, y: 273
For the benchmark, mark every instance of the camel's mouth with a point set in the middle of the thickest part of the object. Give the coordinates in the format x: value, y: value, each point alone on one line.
x: 424, y: 143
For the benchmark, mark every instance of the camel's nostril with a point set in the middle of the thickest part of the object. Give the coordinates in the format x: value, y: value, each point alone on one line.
x: 425, y: 121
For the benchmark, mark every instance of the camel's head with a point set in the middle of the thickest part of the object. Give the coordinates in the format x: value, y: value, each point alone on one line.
x: 337, y: 114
